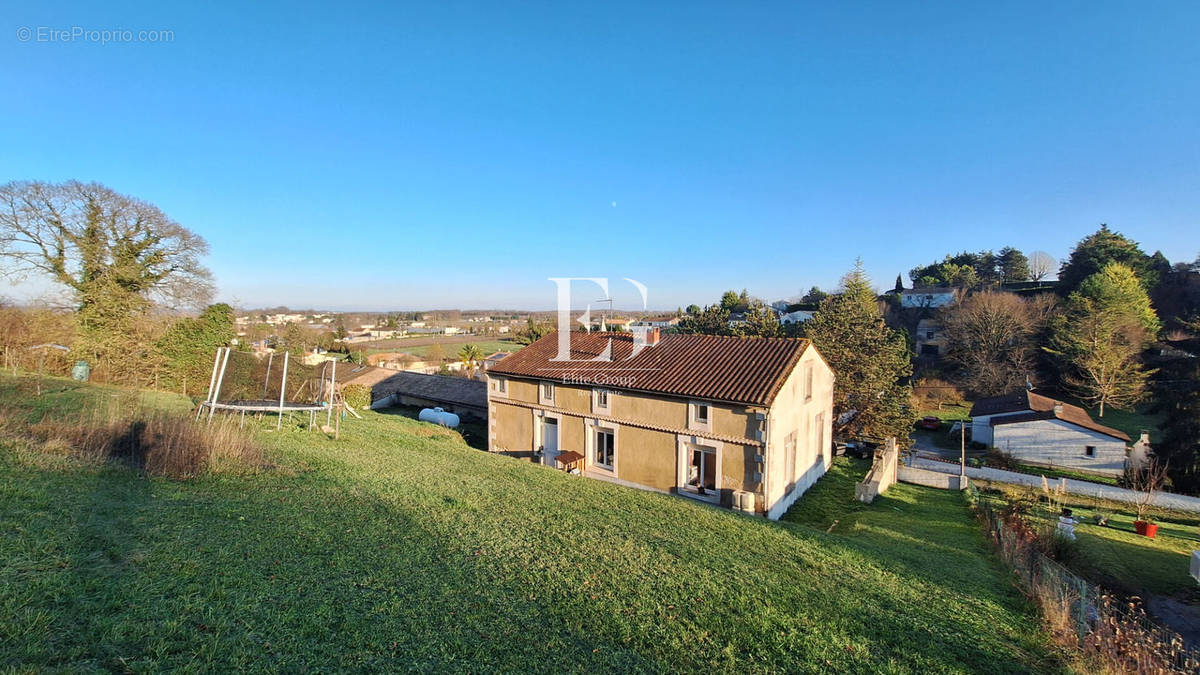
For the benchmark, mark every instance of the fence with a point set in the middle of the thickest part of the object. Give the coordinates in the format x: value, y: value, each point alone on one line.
x: 1116, y: 630
x: 882, y: 474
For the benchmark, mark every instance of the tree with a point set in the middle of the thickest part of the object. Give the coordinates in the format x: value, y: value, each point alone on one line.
x: 1095, y: 251
x: 693, y: 310
x: 533, y: 331
x: 899, y: 284
x: 712, y: 320
x: 1041, y: 265
x: 187, y: 348
x: 471, y: 356
x: 990, y: 335
x: 730, y: 301
x: 869, y: 360
x: 1147, y: 481
x: 760, y: 322
x: 1177, y: 392
x: 1014, y: 266
x: 435, y: 354
x: 1100, y: 337
x: 814, y: 296
x: 117, y: 255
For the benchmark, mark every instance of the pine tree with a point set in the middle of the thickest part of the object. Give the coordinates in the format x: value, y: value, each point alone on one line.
x: 1100, y: 337
x: 869, y: 360
x: 1102, y: 247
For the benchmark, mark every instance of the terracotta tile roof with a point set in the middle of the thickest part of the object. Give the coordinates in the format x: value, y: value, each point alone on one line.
x: 733, y: 369
x: 1038, y: 407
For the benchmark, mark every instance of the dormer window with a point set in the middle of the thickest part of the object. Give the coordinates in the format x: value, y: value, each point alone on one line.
x: 700, y: 416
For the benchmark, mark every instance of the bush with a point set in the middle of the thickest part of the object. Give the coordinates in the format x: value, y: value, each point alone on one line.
x: 357, y: 395
x: 156, y: 442
x: 1000, y: 459
x: 929, y: 393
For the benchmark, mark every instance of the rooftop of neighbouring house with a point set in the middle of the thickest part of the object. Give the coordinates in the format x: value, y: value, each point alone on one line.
x: 1037, y: 407
x: 733, y: 369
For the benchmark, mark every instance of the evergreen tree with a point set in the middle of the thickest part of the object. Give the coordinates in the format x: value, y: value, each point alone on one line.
x: 186, y: 350
x: 1100, y: 337
x: 1095, y: 251
x: 760, y: 322
x: 870, y: 361
x: 899, y: 283
x: 1178, y: 395
x: 1014, y: 266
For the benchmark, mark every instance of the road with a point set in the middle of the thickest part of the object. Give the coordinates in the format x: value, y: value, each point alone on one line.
x: 1165, y: 500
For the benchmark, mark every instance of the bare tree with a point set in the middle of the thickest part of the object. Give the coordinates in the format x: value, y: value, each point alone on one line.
x: 990, y: 335
x: 117, y: 255
x: 1147, y: 480
x: 1041, y: 265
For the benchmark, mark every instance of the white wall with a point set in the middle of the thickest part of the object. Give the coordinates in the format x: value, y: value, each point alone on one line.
x: 1060, y: 443
x: 791, y: 413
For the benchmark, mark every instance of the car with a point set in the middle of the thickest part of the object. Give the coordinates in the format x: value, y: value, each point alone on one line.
x: 930, y: 422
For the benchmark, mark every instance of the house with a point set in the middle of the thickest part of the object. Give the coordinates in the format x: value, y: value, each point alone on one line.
x: 740, y: 422
x: 930, y: 338
x: 927, y: 298
x: 666, y: 321
x: 494, y: 358
x: 464, y: 397
x: 1040, y: 430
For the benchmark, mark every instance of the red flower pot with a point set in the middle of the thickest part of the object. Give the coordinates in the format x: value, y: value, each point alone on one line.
x: 1145, y: 529
x: 1151, y: 530
x: 1139, y: 526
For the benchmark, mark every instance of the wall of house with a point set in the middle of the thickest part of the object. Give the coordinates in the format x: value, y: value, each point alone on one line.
x: 646, y: 457
x: 812, y: 422
x: 981, y: 427
x: 1059, y: 443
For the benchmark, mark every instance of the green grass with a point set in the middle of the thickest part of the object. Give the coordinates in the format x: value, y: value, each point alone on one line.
x: 1053, y: 473
x: 450, y: 349
x: 399, y: 547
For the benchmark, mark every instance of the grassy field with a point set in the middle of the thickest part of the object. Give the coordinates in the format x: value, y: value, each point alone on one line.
x: 400, y: 547
x: 450, y: 346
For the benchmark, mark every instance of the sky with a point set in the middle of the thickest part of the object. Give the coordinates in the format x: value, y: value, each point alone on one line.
x: 362, y: 156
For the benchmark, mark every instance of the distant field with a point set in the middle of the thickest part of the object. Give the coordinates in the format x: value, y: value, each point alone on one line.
x: 450, y: 344
x: 398, y: 547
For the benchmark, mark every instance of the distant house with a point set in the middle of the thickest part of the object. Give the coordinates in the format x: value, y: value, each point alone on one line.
x: 459, y: 395
x: 927, y: 298
x: 665, y: 321
x: 494, y: 358
x: 740, y: 422
x: 930, y: 338
x: 1040, y: 430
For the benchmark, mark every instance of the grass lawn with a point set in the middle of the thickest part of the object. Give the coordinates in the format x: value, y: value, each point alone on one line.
x: 450, y: 349
x: 400, y: 547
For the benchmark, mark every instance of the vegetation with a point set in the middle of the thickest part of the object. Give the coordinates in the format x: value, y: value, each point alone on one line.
x: 357, y: 396
x: 533, y: 331
x: 1100, y: 337
x: 869, y: 360
x: 399, y: 547
x: 118, y: 257
x: 972, y: 270
x: 188, y: 346
x: 1095, y: 251
x: 1178, y: 396
x: 993, y: 338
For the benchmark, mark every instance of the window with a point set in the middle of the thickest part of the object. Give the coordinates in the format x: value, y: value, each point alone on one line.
x: 808, y: 381
x: 1090, y: 451
x: 700, y: 416
x: 605, y: 448
x: 702, y: 413
x: 500, y: 385
x: 929, y: 334
x: 600, y: 399
x: 546, y: 393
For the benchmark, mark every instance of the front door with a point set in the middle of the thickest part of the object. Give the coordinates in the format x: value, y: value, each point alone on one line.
x: 549, y: 441
x: 701, y: 467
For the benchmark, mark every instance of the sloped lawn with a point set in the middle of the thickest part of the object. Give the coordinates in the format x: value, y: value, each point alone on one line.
x: 399, y: 547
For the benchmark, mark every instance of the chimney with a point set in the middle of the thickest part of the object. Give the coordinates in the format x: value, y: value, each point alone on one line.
x: 645, y: 337
x: 652, y: 336
x: 1144, y: 439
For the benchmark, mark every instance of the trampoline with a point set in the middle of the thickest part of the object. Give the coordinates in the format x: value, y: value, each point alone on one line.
x: 322, y: 401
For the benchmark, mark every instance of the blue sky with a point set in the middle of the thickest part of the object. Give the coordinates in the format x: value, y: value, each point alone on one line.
x: 447, y: 154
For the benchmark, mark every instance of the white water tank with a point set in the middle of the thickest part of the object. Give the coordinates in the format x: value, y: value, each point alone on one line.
x: 438, y: 416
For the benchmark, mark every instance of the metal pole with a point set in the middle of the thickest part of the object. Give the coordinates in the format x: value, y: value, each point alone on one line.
x: 267, y: 379
x: 282, y: 389
x: 212, y: 406
x: 332, y: 389
x: 211, y: 382
x: 962, y: 471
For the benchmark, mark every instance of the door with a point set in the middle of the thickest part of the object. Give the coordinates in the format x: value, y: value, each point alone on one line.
x: 549, y: 441
x: 702, y: 472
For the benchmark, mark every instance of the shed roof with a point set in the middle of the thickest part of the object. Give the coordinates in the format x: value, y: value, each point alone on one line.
x: 1038, y: 407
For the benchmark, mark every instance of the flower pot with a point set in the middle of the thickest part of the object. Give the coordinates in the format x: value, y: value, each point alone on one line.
x: 1145, y: 529
x: 1151, y: 530
x: 1139, y: 526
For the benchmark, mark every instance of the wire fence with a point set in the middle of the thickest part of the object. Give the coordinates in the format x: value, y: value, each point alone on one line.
x: 1118, y: 631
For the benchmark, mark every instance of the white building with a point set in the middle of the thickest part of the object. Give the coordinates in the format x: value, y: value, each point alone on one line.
x: 918, y: 298
x: 1040, y: 430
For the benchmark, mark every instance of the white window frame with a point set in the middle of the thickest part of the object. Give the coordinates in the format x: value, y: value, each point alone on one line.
x: 694, y: 422
x: 808, y: 381
x: 542, y: 398
x: 594, y: 427
x: 500, y: 387
x: 606, y: 408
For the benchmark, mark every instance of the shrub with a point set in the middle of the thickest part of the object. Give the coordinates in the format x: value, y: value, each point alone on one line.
x: 1000, y: 459
x: 930, y: 393
x: 156, y: 442
x: 357, y: 395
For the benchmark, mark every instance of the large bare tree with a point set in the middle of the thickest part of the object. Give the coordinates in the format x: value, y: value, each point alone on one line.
x: 117, y: 255
x: 990, y: 336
